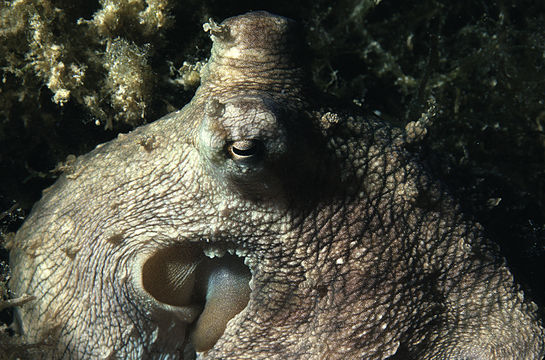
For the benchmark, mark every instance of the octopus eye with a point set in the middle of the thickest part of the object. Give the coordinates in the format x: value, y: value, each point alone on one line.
x: 250, y: 149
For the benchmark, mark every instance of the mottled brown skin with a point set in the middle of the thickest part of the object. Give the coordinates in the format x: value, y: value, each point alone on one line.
x: 355, y: 252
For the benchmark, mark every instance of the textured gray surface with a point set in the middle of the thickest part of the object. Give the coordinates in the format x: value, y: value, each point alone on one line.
x: 354, y: 250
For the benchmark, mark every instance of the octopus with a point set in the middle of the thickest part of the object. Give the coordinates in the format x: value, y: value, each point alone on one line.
x: 262, y: 221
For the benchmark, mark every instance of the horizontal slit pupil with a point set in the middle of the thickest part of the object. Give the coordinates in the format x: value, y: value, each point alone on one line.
x: 244, y: 148
x: 244, y: 152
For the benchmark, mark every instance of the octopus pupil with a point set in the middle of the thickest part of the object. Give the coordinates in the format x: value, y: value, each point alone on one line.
x: 244, y: 149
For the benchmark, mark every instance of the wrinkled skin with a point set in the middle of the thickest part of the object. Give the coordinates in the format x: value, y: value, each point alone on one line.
x: 354, y: 251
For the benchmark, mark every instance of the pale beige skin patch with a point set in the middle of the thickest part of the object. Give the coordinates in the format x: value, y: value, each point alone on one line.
x: 259, y: 222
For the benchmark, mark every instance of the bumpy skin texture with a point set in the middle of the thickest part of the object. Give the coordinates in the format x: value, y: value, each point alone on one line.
x: 355, y: 252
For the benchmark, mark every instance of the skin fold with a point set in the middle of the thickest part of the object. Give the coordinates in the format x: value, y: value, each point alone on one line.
x: 329, y: 238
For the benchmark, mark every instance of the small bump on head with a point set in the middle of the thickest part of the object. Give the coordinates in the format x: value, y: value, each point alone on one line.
x: 255, y: 36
